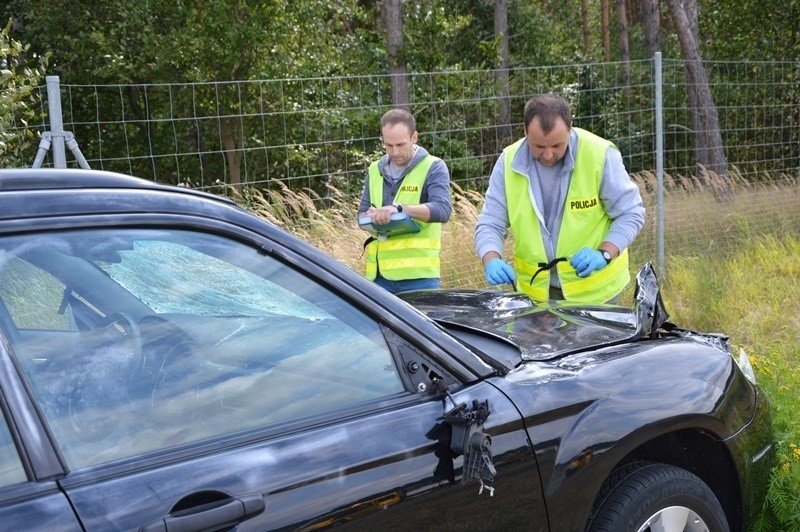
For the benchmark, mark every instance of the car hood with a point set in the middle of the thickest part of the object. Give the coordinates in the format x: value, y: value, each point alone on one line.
x: 542, y: 331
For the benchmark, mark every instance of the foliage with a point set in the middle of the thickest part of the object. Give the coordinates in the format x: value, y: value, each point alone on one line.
x: 463, y: 27
x: 733, y: 29
x: 162, y: 41
x: 19, y: 100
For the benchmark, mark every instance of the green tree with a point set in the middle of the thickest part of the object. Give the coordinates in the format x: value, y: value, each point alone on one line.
x: 739, y: 29
x: 19, y: 100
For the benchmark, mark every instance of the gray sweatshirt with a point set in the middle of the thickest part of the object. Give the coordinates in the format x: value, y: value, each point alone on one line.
x: 618, y: 193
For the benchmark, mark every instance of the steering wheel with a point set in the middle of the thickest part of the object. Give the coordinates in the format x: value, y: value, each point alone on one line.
x: 125, y: 326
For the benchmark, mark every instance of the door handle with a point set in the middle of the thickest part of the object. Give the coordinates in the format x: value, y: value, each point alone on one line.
x: 210, y: 516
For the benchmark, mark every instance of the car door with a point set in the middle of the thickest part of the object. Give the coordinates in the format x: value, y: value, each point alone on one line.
x: 191, y: 379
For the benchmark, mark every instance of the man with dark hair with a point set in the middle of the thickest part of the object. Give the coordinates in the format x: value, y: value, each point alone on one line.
x: 565, y: 194
x: 410, y: 180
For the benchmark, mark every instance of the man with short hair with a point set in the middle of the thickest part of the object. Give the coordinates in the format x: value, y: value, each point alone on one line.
x: 410, y: 180
x: 565, y: 194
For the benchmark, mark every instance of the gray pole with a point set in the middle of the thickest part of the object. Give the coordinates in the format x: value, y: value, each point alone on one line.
x: 56, y: 121
x: 660, y: 260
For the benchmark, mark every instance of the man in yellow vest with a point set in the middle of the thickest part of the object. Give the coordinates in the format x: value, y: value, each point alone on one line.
x: 565, y: 194
x: 410, y: 180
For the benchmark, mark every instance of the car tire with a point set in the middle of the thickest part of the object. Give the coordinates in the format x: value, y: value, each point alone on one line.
x: 641, y: 494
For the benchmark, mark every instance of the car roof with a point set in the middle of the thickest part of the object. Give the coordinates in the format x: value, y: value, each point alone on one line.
x: 60, y: 192
x: 20, y: 179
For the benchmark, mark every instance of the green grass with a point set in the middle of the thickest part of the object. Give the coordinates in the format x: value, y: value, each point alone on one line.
x: 754, y: 296
x: 732, y: 266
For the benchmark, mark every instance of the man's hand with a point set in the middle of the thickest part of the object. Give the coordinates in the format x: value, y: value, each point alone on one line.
x: 499, y: 272
x: 382, y: 215
x: 587, y: 260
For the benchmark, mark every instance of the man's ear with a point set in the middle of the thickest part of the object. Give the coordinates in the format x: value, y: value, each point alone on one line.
x: 414, y: 137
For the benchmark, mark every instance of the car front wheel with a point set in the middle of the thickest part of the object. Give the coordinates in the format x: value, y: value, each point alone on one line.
x: 648, y: 496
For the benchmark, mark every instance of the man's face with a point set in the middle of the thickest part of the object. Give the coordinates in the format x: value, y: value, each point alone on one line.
x: 399, y: 142
x: 548, y: 149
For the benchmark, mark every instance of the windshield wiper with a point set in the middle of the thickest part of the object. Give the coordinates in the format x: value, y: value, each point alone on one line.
x: 544, y: 266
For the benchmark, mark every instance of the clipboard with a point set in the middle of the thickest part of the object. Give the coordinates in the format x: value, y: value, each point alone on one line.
x: 399, y: 224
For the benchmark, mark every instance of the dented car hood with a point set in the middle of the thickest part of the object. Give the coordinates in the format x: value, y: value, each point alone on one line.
x: 542, y: 331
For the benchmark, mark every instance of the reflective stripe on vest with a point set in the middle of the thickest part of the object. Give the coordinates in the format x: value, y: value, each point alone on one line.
x: 583, y: 223
x: 411, y: 256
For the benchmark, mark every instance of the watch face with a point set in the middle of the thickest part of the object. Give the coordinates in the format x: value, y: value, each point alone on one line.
x: 606, y: 255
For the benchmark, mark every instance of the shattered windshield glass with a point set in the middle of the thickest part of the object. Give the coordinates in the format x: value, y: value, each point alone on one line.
x: 198, y: 283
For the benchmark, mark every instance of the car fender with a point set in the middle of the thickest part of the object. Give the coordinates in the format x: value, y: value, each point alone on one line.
x: 592, y: 410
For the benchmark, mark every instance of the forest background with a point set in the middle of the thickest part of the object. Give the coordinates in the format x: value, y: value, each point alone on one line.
x: 124, y: 63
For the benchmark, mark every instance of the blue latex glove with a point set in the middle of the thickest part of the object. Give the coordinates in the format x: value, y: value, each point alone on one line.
x: 587, y: 260
x: 499, y: 272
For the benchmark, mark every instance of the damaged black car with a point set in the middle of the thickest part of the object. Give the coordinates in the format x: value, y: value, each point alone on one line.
x: 170, y: 361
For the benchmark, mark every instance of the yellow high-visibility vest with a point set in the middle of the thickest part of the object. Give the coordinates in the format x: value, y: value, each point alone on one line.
x: 410, y: 256
x: 584, y: 223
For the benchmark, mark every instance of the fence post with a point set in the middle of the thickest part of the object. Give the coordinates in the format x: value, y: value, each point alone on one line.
x: 661, y: 265
x: 56, y: 121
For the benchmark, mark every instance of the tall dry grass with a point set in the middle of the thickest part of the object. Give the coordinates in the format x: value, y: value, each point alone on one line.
x: 699, y: 220
x: 330, y: 224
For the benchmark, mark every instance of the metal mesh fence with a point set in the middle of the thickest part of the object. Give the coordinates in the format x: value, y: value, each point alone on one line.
x: 315, y: 134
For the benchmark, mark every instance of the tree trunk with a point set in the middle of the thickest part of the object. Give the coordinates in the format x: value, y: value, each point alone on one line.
x: 504, y: 132
x: 233, y: 156
x: 604, y: 28
x: 585, y: 27
x: 398, y: 74
x: 652, y: 27
x: 625, y: 52
x: 691, y: 14
x: 709, y: 152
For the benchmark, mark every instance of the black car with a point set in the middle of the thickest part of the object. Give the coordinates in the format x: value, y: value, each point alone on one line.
x: 170, y: 361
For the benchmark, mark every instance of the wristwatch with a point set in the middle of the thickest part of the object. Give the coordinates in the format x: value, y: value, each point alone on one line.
x: 606, y: 255
x: 398, y: 207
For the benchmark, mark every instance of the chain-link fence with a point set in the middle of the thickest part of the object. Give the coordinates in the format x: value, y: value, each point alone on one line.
x: 319, y: 134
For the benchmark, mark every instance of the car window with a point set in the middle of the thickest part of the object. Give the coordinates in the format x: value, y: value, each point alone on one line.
x: 180, y: 336
x: 11, y: 469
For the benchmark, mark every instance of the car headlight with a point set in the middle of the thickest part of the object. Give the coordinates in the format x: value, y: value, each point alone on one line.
x: 743, y: 361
